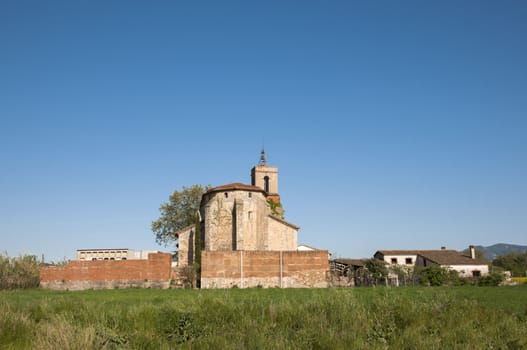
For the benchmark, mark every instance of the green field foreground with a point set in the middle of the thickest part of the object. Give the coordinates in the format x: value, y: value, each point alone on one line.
x: 360, y: 318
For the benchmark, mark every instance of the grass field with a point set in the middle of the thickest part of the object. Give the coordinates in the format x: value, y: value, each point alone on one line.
x: 360, y: 318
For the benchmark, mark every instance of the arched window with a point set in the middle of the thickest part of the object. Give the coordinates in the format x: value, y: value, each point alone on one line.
x: 266, y: 184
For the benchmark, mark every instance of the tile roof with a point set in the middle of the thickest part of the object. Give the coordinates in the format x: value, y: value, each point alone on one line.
x: 284, y: 222
x: 235, y: 186
x: 450, y: 257
x: 441, y: 257
x: 398, y: 252
x: 352, y: 262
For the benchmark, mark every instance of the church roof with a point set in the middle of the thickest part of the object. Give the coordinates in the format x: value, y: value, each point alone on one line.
x: 236, y: 186
x: 284, y: 222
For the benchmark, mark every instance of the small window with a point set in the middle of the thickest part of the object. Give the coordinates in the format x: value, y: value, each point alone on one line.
x: 250, y: 195
x: 226, y: 195
x: 394, y: 260
x: 266, y: 183
x: 476, y: 273
x: 409, y: 261
x: 93, y: 259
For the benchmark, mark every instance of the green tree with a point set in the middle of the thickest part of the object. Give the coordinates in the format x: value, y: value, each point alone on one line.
x: 404, y: 273
x: 516, y: 263
x: 178, y: 213
x: 376, y: 269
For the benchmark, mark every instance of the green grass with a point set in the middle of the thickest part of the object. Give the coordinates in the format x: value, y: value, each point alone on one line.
x: 361, y: 318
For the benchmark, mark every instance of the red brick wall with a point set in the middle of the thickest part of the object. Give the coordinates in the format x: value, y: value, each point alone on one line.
x: 262, y: 268
x: 156, y: 268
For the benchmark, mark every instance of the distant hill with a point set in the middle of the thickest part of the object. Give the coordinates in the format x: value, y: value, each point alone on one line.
x: 493, y: 251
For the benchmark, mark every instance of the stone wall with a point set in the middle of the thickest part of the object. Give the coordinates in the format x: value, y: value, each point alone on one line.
x: 243, y: 269
x: 241, y: 220
x: 260, y: 172
x: 186, y: 246
x: 280, y: 235
x: 235, y: 220
x: 156, y: 271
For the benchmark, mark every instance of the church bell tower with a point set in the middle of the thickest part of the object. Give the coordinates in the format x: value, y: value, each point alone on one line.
x: 266, y: 177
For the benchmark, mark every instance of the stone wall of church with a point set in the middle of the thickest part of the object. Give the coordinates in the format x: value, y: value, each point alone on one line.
x: 245, y: 269
x: 281, y: 236
x: 186, y: 247
x: 235, y: 220
x: 240, y: 220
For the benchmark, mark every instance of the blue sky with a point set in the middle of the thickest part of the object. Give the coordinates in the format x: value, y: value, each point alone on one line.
x: 394, y: 124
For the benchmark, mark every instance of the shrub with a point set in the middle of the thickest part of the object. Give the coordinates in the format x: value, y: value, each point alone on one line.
x: 375, y: 271
x: 493, y: 279
x: 434, y: 275
x: 21, y: 272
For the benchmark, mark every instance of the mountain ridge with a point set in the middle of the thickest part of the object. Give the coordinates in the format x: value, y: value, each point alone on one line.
x: 493, y: 251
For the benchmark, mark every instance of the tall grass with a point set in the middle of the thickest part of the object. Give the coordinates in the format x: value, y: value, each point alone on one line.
x: 368, y: 318
x: 19, y: 272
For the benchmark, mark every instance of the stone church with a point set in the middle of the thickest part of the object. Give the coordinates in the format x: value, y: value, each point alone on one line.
x: 238, y: 216
x: 245, y: 243
x: 240, y: 220
x: 247, y: 217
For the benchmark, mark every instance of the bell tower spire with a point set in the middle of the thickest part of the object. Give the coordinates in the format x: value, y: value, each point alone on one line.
x: 263, y: 161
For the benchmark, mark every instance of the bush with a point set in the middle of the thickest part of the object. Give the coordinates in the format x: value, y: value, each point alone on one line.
x: 434, y: 275
x: 375, y: 271
x: 493, y: 279
x: 21, y: 272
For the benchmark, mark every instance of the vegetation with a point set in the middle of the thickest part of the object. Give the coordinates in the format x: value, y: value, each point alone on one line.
x: 20, y: 272
x: 362, y: 318
x: 520, y: 279
x: 178, y: 213
x: 276, y: 208
x: 514, y: 262
x: 375, y: 272
x: 435, y: 275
